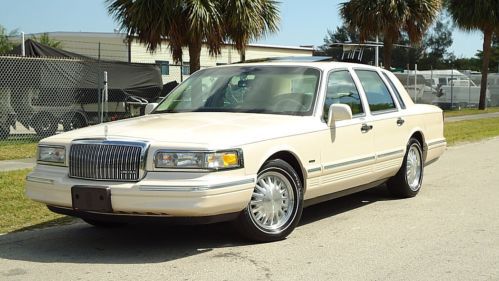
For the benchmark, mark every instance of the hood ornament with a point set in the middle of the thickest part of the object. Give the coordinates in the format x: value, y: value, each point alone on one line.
x: 105, y: 132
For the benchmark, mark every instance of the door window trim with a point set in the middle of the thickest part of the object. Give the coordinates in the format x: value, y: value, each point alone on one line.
x: 394, y: 90
x: 379, y: 112
x: 362, y: 103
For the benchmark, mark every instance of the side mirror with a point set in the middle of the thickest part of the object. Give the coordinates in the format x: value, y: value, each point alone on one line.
x: 338, y: 112
x: 150, y: 107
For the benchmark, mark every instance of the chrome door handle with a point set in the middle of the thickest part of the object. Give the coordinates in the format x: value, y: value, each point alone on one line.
x: 400, y: 121
x: 366, y: 128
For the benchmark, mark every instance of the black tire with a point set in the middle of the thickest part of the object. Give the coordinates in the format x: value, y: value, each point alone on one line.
x: 103, y: 224
x: 399, y: 185
x: 288, y: 185
x: 76, y: 121
x: 45, y: 124
x: 4, y: 133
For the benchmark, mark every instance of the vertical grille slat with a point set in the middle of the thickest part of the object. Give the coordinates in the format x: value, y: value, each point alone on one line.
x: 105, y: 161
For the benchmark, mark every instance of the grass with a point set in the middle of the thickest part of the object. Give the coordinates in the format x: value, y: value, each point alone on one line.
x: 471, y: 130
x: 469, y: 111
x: 17, y: 149
x: 17, y: 212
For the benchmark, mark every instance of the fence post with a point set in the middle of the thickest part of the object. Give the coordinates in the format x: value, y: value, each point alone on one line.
x: 99, y: 88
x: 181, y: 70
x: 451, y: 88
x: 104, y: 99
x: 23, y: 48
x: 415, y: 82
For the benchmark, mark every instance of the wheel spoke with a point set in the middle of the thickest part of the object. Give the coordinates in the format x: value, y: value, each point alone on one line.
x: 272, y: 201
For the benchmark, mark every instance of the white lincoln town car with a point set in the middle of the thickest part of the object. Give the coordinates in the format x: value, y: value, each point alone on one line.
x: 253, y: 143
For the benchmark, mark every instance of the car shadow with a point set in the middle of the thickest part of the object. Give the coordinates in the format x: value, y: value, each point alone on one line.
x: 340, y: 205
x: 148, y: 243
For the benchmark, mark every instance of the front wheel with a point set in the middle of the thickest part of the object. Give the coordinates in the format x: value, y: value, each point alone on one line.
x: 275, y: 206
x: 407, y: 182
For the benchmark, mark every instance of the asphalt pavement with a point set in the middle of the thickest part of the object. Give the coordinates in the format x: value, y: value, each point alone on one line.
x: 450, y: 231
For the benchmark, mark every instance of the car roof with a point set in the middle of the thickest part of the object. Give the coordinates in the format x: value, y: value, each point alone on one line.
x: 323, y: 65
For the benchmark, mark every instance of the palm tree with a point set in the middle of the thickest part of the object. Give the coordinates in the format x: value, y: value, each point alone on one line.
x: 192, y: 23
x: 388, y: 18
x: 480, y: 15
x: 186, y: 23
x: 246, y: 20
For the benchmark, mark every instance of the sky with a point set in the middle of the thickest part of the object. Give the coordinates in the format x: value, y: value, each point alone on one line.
x: 302, y: 22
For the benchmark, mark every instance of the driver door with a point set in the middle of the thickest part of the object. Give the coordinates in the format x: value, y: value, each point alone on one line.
x: 347, y: 150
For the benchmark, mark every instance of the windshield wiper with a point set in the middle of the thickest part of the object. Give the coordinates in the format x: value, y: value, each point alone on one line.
x: 165, y: 111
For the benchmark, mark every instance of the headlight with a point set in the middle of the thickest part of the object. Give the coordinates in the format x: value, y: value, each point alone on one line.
x: 210, y: 160
x: 52, y: 154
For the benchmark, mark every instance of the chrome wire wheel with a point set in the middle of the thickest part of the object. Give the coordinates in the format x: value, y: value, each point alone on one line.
x: 413, y: 168
x: 272, y: 202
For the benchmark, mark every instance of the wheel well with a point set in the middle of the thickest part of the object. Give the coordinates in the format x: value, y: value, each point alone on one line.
x: 80, y: 114
x: 291, y: 160
x: 419, y: 136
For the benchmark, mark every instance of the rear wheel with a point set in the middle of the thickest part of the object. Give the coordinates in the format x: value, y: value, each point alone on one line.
x: 45, y: 124
x: 276, y: 204
x: 76, y: 121
x: 407, y: 182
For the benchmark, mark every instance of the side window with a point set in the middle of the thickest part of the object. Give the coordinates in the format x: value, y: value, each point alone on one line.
x: 164, y: 66
x: 377, y: 93
x: 341, y: 89
x: 395, y: 91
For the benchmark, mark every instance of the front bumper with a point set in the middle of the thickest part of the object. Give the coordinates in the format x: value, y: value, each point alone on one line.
x: 166, y: 194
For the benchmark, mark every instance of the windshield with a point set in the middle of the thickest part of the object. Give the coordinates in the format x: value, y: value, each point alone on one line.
x: 251, y: 89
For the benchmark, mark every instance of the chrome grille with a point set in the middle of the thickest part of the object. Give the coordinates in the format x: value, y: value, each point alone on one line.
x: 106, y: 160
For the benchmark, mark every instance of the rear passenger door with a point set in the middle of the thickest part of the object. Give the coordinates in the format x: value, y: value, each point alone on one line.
x: 386, y: 121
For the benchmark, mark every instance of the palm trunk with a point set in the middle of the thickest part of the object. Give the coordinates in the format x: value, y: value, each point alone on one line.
x: 243, y: 55
x: 194, y: 55
x: 387, y: 52
x: 487, y: 42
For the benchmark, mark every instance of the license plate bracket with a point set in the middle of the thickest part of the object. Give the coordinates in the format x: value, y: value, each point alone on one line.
x: 91, y: 198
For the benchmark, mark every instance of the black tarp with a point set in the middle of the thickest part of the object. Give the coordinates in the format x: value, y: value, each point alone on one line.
x: 35, y: 49
x: 124, y: 79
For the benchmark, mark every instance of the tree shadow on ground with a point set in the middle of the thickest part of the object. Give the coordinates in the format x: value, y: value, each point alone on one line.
x: 148, y: 243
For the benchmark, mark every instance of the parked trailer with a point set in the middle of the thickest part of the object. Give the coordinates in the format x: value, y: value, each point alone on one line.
x: 455, y: 90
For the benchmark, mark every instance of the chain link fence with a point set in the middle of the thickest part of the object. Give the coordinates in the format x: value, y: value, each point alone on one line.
x: 450, y: 89
x: 40, y: 97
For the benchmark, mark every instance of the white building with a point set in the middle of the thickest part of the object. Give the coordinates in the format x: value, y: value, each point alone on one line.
x: 114, y: 46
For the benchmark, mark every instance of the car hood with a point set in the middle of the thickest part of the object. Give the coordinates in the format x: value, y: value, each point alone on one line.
x: 207, y: 129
